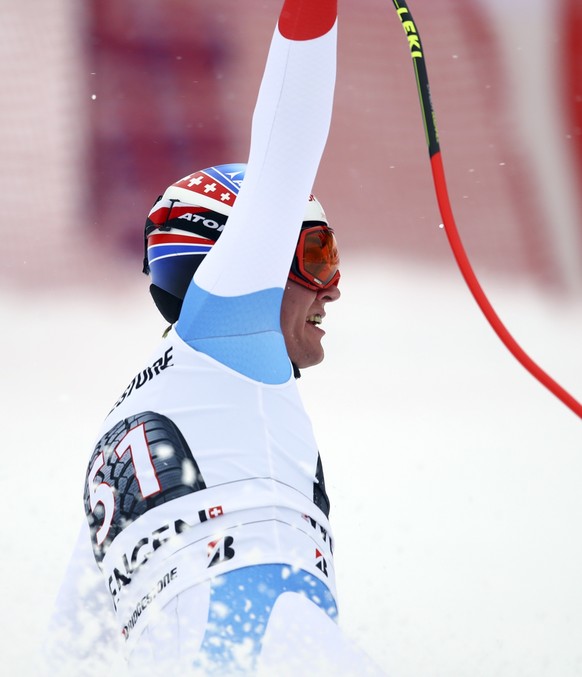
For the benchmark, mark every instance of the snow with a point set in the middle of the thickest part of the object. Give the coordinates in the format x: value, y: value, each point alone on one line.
x: 455, y: 478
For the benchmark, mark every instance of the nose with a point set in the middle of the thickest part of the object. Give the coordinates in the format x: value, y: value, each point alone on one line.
x: 329, y: 295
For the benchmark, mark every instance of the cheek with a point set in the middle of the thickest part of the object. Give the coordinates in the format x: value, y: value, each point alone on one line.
x: 295, y: 331
x: 292, y: 317
x: 297, y: 302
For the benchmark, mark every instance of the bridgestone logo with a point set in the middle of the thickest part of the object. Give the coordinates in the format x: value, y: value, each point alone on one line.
x: 146, y: 600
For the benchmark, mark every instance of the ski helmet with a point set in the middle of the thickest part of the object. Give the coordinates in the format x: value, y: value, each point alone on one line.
x: 184, y: 224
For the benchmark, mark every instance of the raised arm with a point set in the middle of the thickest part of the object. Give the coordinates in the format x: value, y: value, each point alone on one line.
x: 231, y: 310
x: 289, y: 132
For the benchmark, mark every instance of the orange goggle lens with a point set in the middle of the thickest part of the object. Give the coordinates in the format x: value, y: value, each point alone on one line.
x: 316, y: 261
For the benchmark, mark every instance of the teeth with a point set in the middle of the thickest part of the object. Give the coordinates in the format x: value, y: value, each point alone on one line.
x: 315, y: 319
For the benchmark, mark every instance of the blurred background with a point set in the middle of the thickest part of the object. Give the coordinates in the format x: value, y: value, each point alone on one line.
x: 456, y: 477
x: 105, y: 103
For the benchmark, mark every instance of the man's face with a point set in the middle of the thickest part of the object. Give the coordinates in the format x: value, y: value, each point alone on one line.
x: 302, y: 311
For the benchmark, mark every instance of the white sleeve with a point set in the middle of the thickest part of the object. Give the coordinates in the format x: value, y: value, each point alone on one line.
x: 289, y: 132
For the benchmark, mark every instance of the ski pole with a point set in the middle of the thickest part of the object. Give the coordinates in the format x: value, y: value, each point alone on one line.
x: 440, y: 184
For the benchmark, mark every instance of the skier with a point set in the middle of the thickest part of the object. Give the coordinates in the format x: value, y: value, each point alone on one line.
x: 207, y: 513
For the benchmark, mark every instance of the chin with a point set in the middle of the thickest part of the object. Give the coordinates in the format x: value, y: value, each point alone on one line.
x: 310, y: 360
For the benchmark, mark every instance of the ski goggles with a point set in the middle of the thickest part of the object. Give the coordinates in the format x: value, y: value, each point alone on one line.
x: 316, y: 260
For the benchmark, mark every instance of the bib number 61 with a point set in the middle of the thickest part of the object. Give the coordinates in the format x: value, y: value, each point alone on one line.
x: 139, y: 464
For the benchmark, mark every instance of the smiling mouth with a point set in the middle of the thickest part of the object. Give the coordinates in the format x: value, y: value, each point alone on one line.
x: 315, y: 319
